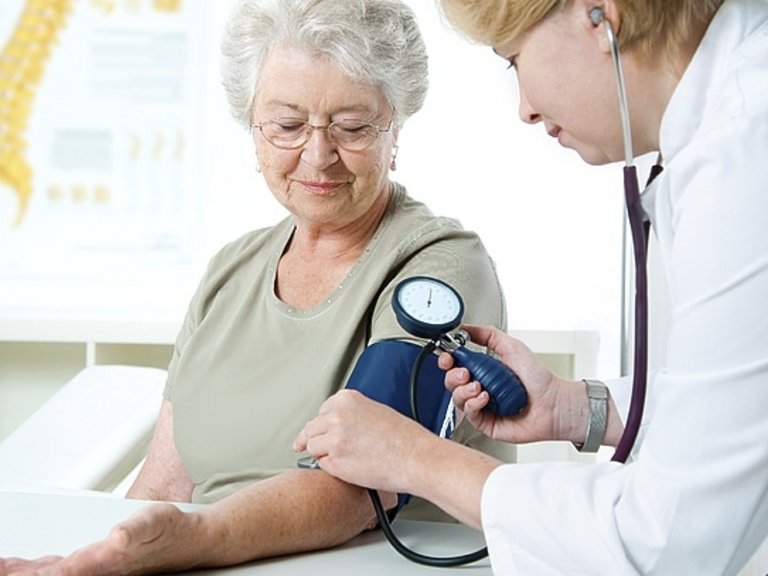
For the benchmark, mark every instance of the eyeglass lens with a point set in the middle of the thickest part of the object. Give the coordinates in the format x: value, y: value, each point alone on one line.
x: 347, y: 134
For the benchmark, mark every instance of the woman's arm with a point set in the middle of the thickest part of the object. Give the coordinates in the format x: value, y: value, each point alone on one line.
x: 163, y: 475
x: 558, y: 409
x: 297, y: 511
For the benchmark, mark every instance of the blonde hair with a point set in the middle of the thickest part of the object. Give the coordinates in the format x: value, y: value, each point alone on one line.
x: 650, y: 26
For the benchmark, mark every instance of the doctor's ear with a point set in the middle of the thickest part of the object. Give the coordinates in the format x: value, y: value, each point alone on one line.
x: 601, y: 16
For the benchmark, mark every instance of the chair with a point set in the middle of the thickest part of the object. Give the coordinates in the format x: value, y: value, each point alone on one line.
x: 90, y: 435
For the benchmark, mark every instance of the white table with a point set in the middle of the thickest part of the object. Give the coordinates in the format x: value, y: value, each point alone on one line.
x: 37, y: 524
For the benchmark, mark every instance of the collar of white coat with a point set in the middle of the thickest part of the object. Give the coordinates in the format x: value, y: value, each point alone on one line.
x: 705, y: 96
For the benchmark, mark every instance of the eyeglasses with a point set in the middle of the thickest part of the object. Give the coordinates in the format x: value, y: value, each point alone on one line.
x: 347, y: 134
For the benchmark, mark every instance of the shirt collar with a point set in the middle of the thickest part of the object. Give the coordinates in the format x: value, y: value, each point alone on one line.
x: 702, y: 93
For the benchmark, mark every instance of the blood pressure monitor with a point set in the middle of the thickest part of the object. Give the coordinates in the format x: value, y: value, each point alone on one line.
x: 430, y: 308
x: 427, y: 307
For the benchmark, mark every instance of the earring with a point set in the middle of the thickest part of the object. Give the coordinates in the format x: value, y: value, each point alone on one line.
x: 257, y: 164
x: 393, y: 163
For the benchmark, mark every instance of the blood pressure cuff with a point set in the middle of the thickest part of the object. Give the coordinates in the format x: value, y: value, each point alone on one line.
x: 383, y: 373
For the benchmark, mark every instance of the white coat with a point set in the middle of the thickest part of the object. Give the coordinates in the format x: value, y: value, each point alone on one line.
x: 694, y: 497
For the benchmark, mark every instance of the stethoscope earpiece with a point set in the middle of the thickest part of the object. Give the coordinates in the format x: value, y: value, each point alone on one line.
x: 596, y: 15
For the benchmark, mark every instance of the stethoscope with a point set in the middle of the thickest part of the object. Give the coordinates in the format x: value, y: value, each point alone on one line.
x: 486, y: 369
x: 639, y: 227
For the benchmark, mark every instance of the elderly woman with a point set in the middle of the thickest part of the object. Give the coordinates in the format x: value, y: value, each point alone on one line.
x: 283, y: 315
x: 693, y: 496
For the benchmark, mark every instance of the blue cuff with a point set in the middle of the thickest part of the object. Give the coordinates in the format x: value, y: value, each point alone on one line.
x: 383, y: 373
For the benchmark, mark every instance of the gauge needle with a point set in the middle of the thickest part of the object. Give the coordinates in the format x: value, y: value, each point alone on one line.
x: 429, y: 299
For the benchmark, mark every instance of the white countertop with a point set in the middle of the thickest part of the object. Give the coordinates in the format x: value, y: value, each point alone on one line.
x: 34, y: 524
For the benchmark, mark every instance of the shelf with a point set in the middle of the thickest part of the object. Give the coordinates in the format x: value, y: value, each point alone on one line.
x: 103, y: 327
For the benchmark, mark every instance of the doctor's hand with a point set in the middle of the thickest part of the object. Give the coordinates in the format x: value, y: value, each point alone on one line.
x: 362, y: 441
x: 157, y: 538
x: 547, y: 394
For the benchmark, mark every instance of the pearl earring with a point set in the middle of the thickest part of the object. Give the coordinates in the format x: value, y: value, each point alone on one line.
x: 393, y: 163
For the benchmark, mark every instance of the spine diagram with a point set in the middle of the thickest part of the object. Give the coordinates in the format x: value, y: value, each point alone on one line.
x: 22, y: 65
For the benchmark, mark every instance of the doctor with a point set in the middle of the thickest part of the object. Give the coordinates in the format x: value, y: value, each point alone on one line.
x: 693, y: 497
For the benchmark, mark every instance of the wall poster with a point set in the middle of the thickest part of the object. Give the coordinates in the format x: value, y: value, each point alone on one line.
x: 100, y: 130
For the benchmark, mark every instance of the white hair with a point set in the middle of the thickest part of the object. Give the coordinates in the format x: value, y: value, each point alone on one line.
x: 374, y: 41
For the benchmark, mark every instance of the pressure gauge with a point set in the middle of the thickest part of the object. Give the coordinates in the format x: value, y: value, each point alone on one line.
x: 427, y: 307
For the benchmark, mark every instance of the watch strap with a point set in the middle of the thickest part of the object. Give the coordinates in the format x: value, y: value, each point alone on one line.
x: 597, y: 395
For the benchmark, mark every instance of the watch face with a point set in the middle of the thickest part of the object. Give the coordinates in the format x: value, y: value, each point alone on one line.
x: 430, y: 306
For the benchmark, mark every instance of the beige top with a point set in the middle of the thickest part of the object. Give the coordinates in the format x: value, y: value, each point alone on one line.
x: 248, y: 371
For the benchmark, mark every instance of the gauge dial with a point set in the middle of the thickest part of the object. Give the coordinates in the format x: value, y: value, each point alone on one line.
x: 427, y: 307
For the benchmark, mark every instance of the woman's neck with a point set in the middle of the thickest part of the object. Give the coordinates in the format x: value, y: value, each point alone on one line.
x: 318, y: 258
x: 338, y: 240
x: 657, y: 77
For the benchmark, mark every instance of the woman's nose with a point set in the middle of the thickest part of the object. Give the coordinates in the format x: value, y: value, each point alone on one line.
x: 527, y: 113
x: 320, y: 151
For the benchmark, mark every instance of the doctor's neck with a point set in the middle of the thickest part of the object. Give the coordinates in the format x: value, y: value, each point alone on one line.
x: 656, y: 77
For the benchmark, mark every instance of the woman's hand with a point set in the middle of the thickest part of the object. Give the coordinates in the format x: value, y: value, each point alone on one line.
x: 155, y: 539
x: 361, y: 441
x: 540, y: 420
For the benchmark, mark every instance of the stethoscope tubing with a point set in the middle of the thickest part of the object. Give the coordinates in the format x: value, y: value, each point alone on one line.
x: 639, y: 232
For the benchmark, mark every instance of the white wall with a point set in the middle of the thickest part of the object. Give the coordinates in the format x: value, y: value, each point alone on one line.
x: 552, y: 223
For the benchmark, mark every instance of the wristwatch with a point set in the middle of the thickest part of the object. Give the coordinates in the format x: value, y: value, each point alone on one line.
x: 597, y: 394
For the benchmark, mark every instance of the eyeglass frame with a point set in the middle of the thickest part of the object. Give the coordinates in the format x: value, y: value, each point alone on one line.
x: 327, y: 128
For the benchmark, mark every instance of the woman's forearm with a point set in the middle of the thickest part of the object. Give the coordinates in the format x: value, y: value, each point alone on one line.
x: 293, y: 512
x: 450, y: 476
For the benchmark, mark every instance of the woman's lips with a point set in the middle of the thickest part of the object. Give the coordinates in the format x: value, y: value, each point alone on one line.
x: 321, y: 188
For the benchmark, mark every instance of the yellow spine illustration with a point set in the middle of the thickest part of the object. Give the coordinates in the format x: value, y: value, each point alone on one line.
x: 22, y: 64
